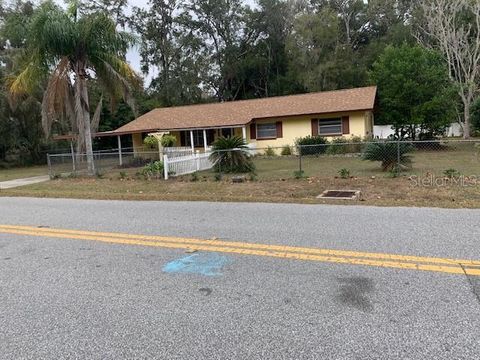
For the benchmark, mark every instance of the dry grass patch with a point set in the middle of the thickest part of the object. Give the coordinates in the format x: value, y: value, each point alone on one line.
x: 379, y: 191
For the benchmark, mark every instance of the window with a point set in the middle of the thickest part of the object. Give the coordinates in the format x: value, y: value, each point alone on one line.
x: 330, y: 127
x: 267, y: 131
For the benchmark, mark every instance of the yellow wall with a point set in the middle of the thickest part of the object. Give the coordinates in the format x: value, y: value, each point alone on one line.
x: 137, y: 142
x: 361, y: 124
x: 301, y: 126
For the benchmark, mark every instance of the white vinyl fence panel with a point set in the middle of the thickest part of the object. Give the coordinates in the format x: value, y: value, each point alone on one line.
x: 384, y: 131
x: 186, y: 164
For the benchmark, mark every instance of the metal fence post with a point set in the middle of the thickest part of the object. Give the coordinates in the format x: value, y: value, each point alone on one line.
x: 398, y: 157
x: 49, y: 163
x: 300, y: 158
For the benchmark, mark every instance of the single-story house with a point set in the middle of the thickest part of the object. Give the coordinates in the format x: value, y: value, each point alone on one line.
x: 274, y: 121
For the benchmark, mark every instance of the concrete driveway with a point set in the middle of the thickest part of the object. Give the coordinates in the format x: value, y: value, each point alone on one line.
x: 22, y: 182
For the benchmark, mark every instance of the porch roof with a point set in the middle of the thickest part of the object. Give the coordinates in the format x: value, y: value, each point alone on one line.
x: 240, y: 113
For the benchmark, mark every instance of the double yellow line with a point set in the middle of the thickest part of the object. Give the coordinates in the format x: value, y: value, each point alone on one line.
x: 444, y: 265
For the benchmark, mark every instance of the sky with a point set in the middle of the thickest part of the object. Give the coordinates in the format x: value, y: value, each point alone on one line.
x: 133, y: 57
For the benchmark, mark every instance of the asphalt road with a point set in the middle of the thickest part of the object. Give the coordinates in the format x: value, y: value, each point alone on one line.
x: 73, y: 298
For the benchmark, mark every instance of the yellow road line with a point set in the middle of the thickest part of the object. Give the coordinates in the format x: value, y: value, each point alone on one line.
x: 206, y: 245
x: 245, y: 245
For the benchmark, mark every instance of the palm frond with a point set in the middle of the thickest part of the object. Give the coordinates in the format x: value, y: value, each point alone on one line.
x: 229, y: 154
x: 57, y: 98
x: 27, y: 80
x: 117, y: 78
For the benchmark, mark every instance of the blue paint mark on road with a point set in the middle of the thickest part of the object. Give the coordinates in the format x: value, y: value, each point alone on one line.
x: 209, y: 264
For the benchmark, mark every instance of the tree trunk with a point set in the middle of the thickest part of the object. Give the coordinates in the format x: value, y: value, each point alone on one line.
x: 82, y: 112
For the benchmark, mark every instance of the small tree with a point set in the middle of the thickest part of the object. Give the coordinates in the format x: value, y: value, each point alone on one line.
x: 168, y: 140
x: 414, y: 91
x: 476, y: 115
x: 391, y: 154
x: 453, y: 27
x: 230, y: 155
x: 150, y: 142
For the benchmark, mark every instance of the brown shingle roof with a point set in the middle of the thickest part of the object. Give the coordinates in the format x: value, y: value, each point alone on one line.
x: 237, y: 113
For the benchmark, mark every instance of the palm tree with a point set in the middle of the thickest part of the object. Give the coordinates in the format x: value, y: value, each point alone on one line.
x: 66, y: 50
x: 230, y: 154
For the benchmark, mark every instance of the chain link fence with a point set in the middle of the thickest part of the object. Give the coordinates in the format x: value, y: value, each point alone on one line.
x: 73, y: 164
x: 338, y: 158
x: 343, y: 159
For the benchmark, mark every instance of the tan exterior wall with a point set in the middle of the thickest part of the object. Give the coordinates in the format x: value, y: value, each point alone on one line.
x: 137, y: 143
x: 360, y: 124
x: 301, y: 126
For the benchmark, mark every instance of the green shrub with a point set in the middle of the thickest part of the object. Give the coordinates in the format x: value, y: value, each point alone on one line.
x: 218, y: 177
x: 312, y: 145
x: 451, y: 173
x: 270, y: 151
x: 153, y: 169
x: 123, y: 175
x: 194, y: 177
x: 388, y: 153
x: 168, y: 140
x: 344, y: 173
x: 337, y: 146
x: 230, y: 155
x: 286, y: 150
x: 150, y: 142
x: 355, y: 145
x: 299, y: 174
x: 253, y: 177
x: 343, y: 145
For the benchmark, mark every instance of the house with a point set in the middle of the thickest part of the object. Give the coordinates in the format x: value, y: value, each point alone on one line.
x: 274, y: 121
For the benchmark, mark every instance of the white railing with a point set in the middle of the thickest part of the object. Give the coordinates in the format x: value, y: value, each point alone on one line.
x: 186, y: 164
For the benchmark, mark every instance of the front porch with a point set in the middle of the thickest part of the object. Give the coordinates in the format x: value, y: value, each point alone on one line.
x: 195, y: 138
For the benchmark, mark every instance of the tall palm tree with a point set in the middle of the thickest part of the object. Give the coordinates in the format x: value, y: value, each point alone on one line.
x: 65, y: 51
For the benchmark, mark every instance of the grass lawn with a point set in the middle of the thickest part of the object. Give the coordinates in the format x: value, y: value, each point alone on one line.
x: 381, y: 190
x: 274, y: 182
x: 465, y: 160
x: 22, y: 172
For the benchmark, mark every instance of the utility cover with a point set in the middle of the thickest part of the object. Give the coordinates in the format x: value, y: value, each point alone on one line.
x: 340, y: 194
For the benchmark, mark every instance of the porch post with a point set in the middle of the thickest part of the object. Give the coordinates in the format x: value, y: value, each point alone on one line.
x: 244, y: 133
x: 191, y: 140
x: 205, y: 140
x: 120, y: 159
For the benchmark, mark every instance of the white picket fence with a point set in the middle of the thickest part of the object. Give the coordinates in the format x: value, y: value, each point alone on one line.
x: 186, y: 164
x: 177, y: 151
